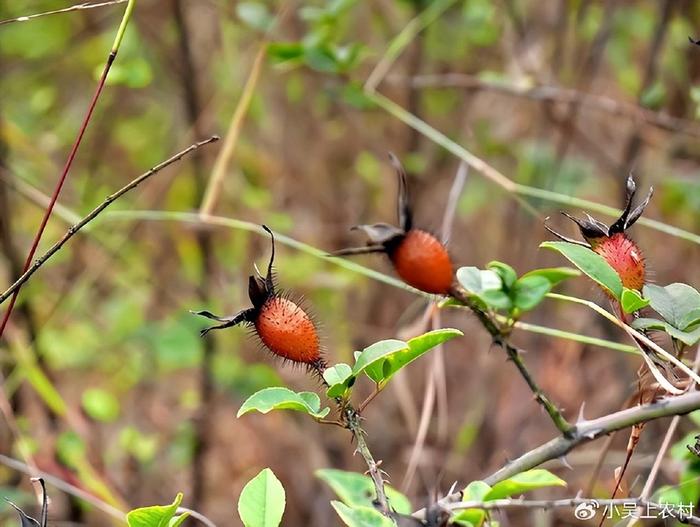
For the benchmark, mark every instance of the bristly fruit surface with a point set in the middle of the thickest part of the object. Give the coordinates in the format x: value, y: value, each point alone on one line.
x: 288, y: 331
x: 613, y: 243
x: 419, y: 258
x: 284, y: 327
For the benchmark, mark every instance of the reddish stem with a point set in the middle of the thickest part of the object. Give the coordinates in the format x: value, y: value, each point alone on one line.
x: 59, y: 185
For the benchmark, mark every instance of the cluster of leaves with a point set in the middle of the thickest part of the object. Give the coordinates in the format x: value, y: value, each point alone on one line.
x: 499, y: 288
x: 320, y: 48
x: 679, y: 307
x: 678, y: 304
x: 379, y: 362
x: 480, y: 491
x: 262, y: 501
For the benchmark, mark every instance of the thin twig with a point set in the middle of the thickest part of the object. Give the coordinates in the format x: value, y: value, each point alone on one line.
x: 221, y: 164
x: 665, y: 444
x: 555, y: 94
x: 201, y: 518
x: 77, y: 7
x: 74, y: 150
x: 557, y: 418
x: 498, y: 336
x: 87, y: 219
x: 369, y: 398
x: 586, y: 431
x: 352, y: 421
x: 64, y: 486
x: 398, y: 44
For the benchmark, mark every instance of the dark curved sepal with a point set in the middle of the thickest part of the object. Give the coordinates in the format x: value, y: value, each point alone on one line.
x: 590, y: 228
x: 562, y: 237
x: 247, y: 315
x: 405, y: 214
x: 629, y: 216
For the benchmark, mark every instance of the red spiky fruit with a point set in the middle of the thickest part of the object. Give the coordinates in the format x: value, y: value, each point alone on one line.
x: 284, y: 327
x: 418, y: 257
x: 613, y: 243
x: 288, y: 331
x: 422, y: 261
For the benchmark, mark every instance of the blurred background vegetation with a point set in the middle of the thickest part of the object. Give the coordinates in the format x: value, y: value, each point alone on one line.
x: 108, y: 385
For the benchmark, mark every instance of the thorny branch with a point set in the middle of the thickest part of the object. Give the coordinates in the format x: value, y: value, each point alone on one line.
x: 352, y: 422
x: 556, y: 94
x: 500, y: 337
x: 583, y: 432
x: 102, y: 206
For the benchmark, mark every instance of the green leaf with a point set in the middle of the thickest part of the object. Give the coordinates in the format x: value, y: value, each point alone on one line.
x: 157, y: 515
x: 279, y: 398
x: 262, y: 501
x: 477, y: 281
x: 361, y: 516
x: 555, y: 275
x: 100, y: 405
x: 678, y: 304
x: 373, y: 357
x: 255, y: 15
x: 592, y: 264
x: 632, y: 301
x: 506, y: 272
x: 338, y: 378
x: 285, y: 51
x: 383, y: 359
x: 529, y: 291
x: 689, y: 338
x: 475, y: 491
x: 357, y: 490
x: 528, y: 480
x: 649, y: 323
x: 496, y: 299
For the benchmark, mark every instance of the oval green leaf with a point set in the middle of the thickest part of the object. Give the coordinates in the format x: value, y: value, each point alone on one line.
x: 477, y: 281
x: 382, y: 360
x: 262, y: 501
x: 632, y: 301
x: 361, y: 516
x: 591, y: 264
x: 529, y: 291
x: 357, y: 490
x: 157, y: 515
x: 678, y: 304
x: 475, y: 491
x: 279, y: 398
x: 338, y: 378
x: 528, y: 480
x: 555, y: 275
x: 505, y: 272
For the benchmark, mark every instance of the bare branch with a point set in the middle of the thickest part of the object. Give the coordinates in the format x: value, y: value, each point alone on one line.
x: 556, y: 94
x: 87, y: 219
x: 77, y: 7
x: 585, y: 431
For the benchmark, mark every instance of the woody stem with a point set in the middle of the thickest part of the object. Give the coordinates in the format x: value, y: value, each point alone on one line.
x: 352, y: 422
x: 499, y: 337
